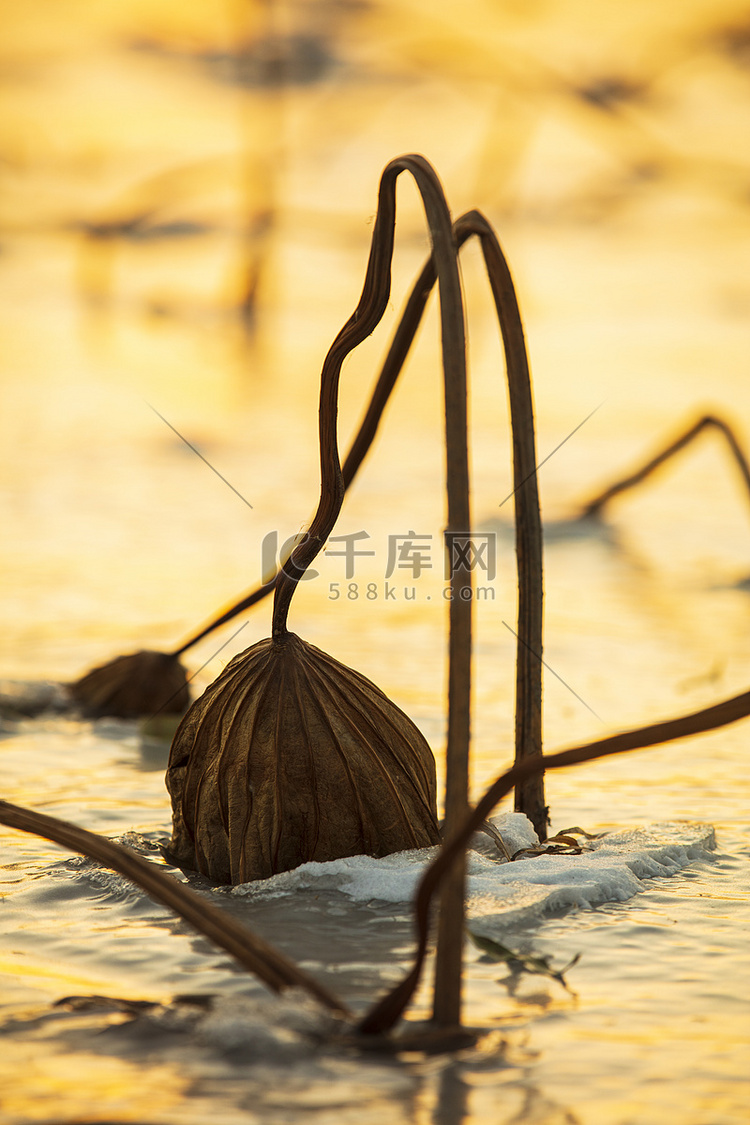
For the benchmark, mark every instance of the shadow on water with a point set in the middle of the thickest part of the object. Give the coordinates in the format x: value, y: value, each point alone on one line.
x: 576, y: 529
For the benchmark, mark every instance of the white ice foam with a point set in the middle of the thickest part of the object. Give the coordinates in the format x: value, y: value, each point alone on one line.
x: 610, y: 869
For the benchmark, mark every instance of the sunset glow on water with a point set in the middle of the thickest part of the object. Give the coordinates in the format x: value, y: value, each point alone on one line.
x: 187, y: 206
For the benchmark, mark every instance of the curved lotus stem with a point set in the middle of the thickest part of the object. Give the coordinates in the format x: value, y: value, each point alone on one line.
x: 594, y: 506
x: 528, y: 729
x: 361, y: 324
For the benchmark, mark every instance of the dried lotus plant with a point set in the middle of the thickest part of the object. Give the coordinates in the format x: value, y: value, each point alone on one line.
x: 249, y: 795
x: 290, y: 756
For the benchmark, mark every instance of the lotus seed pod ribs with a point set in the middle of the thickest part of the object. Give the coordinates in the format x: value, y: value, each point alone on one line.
x: 290, y: 756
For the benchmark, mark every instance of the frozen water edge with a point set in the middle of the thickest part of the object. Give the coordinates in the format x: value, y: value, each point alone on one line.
x: 611, y: 868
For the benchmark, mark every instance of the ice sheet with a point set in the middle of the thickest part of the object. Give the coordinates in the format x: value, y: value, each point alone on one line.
x: 611, y: 868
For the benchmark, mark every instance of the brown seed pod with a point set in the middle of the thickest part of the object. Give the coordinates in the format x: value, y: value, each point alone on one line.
x: 290, y: 756
x: 139, y: 684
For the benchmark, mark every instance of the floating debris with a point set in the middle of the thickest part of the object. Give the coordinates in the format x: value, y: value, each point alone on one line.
x: 522, y: 962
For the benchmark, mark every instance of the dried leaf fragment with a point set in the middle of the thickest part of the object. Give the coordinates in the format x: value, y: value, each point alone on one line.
x: 519, y: 962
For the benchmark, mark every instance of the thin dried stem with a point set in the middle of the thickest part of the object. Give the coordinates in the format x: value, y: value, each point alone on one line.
x: 372, y: 304
x: 389, y: 1009
x: 530, y: 795
x: 252, y: 952
x: 594, y: 506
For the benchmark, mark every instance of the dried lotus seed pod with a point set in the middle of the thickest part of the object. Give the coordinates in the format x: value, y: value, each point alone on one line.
x: 142, y: 683
x: 290, y: 756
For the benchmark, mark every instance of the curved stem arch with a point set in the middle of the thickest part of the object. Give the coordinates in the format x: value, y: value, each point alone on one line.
x: 363, y: 321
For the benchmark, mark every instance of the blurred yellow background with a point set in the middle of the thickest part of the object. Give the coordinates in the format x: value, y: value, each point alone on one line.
x: 187, y: 203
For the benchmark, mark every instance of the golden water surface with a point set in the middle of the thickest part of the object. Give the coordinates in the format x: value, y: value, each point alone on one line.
x: 188, y: 198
